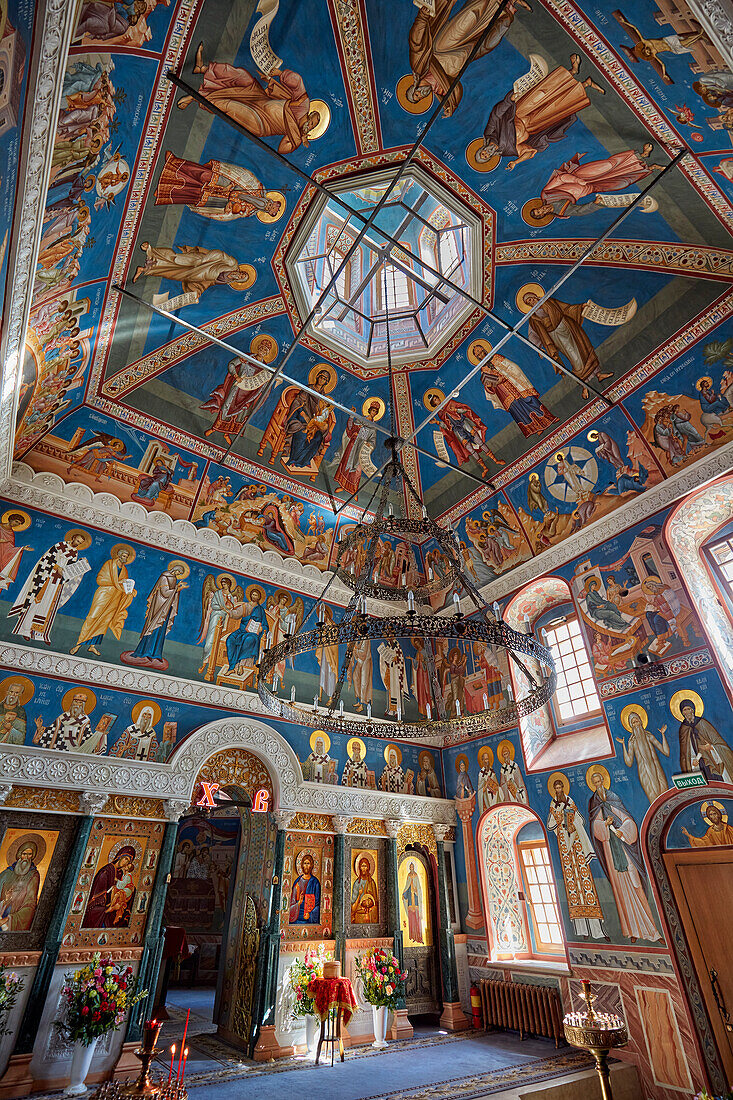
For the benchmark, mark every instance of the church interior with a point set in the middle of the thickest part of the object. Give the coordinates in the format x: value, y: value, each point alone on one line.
x: 366, y: 549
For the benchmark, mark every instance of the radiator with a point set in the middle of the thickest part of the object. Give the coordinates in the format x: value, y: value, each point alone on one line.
x: 528, y: 1009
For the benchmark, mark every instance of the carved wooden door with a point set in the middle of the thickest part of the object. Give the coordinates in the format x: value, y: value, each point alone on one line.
x: 246, y: 974
x: 417, y: 908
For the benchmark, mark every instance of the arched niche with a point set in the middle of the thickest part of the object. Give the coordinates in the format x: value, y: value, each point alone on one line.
x: 687, y: 529
x: 507, y: 924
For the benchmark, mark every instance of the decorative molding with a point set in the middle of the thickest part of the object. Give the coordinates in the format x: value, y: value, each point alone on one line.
x: 175, y: 808
x: 358, y: 826
x: 178, y: 537
x: 393, y: 827
x: 92, y: 802
x: 5, y: 791
x: 42, y: 99
x: 20, y: 958
x: 313, y: 823
x: 43, y: 798
x: 283, y: 819
x: 341, y: 824
x: 85, y: 954
x: 412, y: 833
x: 125, y: 805
x: 716, y: 16
x: 441, y: 832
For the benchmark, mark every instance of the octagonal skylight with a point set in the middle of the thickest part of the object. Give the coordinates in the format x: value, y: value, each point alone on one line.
x: 417, y: 286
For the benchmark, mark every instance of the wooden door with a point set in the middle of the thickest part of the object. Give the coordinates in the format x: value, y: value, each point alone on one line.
x: 702, y: 883
x: 417, y: 921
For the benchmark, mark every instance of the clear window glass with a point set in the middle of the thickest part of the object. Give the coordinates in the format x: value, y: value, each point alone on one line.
x: 540, y: 896
x: 576, y: 695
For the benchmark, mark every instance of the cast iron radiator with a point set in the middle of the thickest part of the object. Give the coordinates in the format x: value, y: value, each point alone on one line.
x: 528, y: 1009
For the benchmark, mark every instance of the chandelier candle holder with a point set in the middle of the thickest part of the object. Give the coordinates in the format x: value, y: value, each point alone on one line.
x: 597, y: 1032
x: 430, y: 635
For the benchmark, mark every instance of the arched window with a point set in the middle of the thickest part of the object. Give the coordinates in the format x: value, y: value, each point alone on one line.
x: 518, y: 888
x: 572, y: 727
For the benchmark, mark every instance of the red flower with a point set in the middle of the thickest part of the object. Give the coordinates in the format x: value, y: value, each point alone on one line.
x: 123, y: 985
x: 85, y: 1011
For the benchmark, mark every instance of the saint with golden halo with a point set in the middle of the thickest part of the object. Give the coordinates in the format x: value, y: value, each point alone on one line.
x: 319, y: 767
x: 115, y: 592
x: 364, y: 894
x: 235, y: 398
x: 217, y: 190
x: 356, y: 772
x: 576, y: 851
x: 302, y: 424
x: 139, y: 741
x: 358, y: 441
x: 12, y: 523
x: 161, y: 611
x: 718, y: 833
x: 464, y: 786
x: 489, y: 791
x: 47, y: 588
x: 507, y: 387
x: 72, y: 728
x: 15, y: 693
x: 702, y: 747
x: 643, y: 748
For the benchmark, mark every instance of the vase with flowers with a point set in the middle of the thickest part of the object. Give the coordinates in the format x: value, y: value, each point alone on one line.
x: 96, y: 999
x: 302, y: 973
x: 383, y: 985
x: 10, y: 986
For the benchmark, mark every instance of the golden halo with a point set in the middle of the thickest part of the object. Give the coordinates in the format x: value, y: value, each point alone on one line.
x: 155, y: 707
x: 532, y: 219
x: 77, y: 531
x: 429, y: 393
x: 600, y: 770
x: 225, y: 577
x: 703, y: 811
x: 17, y: 512
x: 324, y: 112
x: 471, y: 355
x: 358, y: 857
x: 123, y: 546
x: 485, y: 753
x: 705, y: 378
x: 502, y: 744
x: 633, y: 708
x: 461, y: 757
x: 528, y: 288
x: 280, y: 593
x: 26, y: 684
x: 592, y: 436
x: 127, y: 842
x: 371, y: 401
x: 90, y: 183
x: 268, y: 341
x: 186, y: 567
x: 679, y: 697
x: 480, y: 165
x: 316, y: 370
x: 396, y: 748
x: 251, y: 588
x: 89, y: 696
x: 20, y: 842
x: 323, y: 736
x: 418, y: 108
x: 350, y: 747
x: 248, y: 277
x: 301, y: 856
x: 425, y: 755
x: 555, y: 778
x: 268, y: 219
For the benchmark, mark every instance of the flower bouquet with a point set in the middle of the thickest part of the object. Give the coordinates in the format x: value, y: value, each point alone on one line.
x: 381, y: 978
x: 383, y: 985
x: 302, y: 973
x: 10, y: 987
x: 96, y: 998
x: 705, y: 1095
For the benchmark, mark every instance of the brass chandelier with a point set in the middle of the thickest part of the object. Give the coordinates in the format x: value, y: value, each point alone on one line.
x: 357, y: 565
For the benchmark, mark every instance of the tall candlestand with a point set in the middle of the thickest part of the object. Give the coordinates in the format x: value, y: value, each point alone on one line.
x: 597, y: 1032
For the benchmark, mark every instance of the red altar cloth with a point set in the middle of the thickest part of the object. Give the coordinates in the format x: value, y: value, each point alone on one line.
x: 328, y: 993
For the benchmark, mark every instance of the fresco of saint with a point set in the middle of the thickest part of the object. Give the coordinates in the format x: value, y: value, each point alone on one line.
x: 461, y: 428
x: 196, y: 268
x: 160, y: 614
x: 507, y: 387
x: 364, y: 895
x: 20, y: 881
x: 576, y: 856
x: 115, y: 592
x: 216, y: 190
x: 50, y: 584
x: 718, y: 833
x: 305, y: 893
x: 112, y: 895
x: 301, y: 426
x: 234, y: 399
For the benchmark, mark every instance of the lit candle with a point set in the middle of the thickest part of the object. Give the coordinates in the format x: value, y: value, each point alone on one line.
x: 430, y: 572
x: 496, y: 609
x: 315, y: 702
x: 276, y: 684
x: 183, y: 1040
x: 170, y: 1071
x: 410, y: 600
x: 341, y: 708
x: 389, y: 509
x: 509, y: 692
x: 399, y: 713
x: 292, y: 694
x: 456, y: 601
x: 458, y: 708
x: 429, y: 712
x: 369, y: 710
x: 321, y: 613
x: 486, y: 701
x: 183, y: 1068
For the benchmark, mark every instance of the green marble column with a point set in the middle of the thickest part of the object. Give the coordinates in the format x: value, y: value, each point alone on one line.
x: 266, y: 1045
x: 341, y: 905
x: 44, y: 971
x: 448, y: 971
x: 147, y: 975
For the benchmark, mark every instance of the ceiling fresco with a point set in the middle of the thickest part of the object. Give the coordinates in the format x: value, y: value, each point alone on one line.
x: 528, y: 201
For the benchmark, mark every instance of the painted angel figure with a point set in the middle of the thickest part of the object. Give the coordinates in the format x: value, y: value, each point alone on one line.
x: 284, y: 616
x: 218, y: 598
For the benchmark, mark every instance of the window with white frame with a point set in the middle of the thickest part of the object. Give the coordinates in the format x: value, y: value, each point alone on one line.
x: 721, y: 555
x: 394, y: 288
x: 576, y: 695
x: 540, y: 896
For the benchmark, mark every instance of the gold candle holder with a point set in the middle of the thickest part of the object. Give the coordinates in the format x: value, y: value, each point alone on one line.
x: 142, y: 1086
x: 597, y: 1032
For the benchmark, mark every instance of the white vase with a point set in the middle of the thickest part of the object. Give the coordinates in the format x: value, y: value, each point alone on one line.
x: 379, y: 1019
x: 80, y: 1064
x: 312, y: 1025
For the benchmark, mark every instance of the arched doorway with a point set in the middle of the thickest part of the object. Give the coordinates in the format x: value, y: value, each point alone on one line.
x: 419, y: 926
x: 691, y: 887
x: 219, y: 892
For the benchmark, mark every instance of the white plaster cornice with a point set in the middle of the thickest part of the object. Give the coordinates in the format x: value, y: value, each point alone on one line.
x: 176, y: 536
x: 83, y: 670
x: 716, y: 16
x: 176, y: 780
x: 57, y: 19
